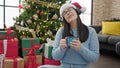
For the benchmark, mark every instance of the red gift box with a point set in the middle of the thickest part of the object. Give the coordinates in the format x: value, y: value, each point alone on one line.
x: 1, y: 48
x: 12, y: 47
x: 51, y: 62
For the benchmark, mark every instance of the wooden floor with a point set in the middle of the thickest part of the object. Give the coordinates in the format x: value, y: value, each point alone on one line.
x: 107, y: 61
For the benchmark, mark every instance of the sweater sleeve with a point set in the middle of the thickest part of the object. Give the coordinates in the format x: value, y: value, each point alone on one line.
x: 58, y: 52
x: 90, y: 53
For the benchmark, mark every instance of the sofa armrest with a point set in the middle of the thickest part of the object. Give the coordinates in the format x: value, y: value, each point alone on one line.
x: 97, y: 28
x: 118, y: 48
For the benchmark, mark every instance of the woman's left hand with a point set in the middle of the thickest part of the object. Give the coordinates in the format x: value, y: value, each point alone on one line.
x: 75, y: 44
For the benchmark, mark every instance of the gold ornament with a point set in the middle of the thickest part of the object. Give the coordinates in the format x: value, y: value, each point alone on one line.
x: 29, y: 21
x: 35, y: 16
x: 55, y: 17
x: 49, y: 33
x: 37, y: 29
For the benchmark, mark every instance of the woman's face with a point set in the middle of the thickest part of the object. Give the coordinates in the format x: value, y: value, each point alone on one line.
x: 70, y: 14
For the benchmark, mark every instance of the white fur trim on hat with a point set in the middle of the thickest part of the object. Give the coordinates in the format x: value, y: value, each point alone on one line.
x: 83, y: 9
x: 64, y: 6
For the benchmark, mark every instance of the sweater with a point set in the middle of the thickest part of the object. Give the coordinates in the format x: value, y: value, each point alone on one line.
x: 88, y: 52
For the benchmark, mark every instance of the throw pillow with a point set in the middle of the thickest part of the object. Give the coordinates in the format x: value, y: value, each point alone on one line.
x: 111, y: 28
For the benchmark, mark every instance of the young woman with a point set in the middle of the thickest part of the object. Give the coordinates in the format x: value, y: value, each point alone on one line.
x: 81, y: 51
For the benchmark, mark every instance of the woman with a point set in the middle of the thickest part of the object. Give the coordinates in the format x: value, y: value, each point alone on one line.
x: 83, y: 50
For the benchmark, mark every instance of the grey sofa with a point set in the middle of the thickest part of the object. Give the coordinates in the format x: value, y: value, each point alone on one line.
x: 108, y: 42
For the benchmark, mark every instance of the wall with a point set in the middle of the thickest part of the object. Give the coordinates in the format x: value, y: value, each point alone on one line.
x: 105, y: 10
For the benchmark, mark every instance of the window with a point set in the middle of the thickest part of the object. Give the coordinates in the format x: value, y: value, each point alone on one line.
x: 12, y: 2
x: 1, y: 17
x: 86, y: 17
x: 1, y: 2
x: 8, y: 10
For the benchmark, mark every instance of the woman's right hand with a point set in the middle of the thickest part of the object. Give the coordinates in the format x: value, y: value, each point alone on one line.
x: 63, y: 43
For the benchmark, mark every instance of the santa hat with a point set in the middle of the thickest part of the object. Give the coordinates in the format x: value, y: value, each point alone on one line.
x: 74, y: 5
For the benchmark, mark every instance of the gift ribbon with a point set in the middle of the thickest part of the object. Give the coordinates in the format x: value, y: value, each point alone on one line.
x: 31, y: 55
x: 3, y: 55
x: 37, y: 46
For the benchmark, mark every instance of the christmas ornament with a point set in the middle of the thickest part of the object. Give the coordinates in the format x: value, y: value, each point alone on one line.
x: 28, y: 6
x: 55, y: 17
x: 35, y: 16
x: 20, y: 6
x: 49, y: 33
x: 38, y: 12
x: 29, y: 21
x: 37, y: 28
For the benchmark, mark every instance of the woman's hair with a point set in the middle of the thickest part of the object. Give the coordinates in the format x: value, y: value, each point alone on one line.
x: 82, y: 30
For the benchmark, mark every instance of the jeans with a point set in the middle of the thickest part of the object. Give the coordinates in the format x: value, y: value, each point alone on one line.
x: 65, y: 65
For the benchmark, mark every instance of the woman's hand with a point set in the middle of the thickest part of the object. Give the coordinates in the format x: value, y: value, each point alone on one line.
x: 75, y: 44
x: 63, y: 43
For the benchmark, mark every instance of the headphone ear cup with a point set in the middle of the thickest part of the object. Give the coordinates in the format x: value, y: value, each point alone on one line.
x: 78, y: 11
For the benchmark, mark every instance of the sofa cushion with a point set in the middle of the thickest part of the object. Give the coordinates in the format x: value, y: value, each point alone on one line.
x: 113, y: 39
x: 103, y: 38
x: 111, y: 28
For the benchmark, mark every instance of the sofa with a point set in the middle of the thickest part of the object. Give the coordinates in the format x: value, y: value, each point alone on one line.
x: 109, y: 43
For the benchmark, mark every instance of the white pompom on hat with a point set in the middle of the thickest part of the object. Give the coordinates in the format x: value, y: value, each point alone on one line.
x: 74, y: 5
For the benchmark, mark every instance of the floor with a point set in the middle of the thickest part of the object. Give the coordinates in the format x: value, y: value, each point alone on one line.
x: 107, y: 61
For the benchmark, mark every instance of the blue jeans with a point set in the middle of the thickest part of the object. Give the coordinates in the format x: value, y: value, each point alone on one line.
x: 65, y: 65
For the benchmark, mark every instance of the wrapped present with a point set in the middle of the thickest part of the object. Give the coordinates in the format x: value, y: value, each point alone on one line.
x: 13, y: 62
x: 48, y: 49
x: 51, y: 62
x: 1, y: 60
x: 11, y: 47
x: 30, y: 45
x: 7, y: 34
x: 33, y: 61
x: 1, y: 48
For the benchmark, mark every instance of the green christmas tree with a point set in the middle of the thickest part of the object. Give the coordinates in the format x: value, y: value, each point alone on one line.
x: 39, y: 18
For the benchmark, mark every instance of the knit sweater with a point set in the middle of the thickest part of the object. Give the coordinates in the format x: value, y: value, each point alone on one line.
x: 88, y: 52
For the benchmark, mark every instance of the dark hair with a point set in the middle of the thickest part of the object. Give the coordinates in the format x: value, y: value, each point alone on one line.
x: 82, y: 30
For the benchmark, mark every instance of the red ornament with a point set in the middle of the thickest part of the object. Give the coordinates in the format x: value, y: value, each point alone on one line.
x: 38, y: 12
x: 41, y: 12
x: 20, y: 6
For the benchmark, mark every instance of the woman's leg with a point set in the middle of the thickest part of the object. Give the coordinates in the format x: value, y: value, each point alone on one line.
x: 49, y: 66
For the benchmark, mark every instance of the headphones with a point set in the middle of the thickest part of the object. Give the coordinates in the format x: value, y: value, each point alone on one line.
x: 77, y: 10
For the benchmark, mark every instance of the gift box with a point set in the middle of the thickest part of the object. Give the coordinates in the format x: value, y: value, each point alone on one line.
x: 6, y: 34
x: 33, y: 61
x: 9, y: 47
x: 30, y: 45
x: 48, y: 48
x: 1, y: 48
x: 51, y: 62
x: 48, y: 51
x: 12, y: 62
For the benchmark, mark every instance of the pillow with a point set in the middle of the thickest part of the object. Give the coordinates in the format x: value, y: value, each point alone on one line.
x: 111, y: 28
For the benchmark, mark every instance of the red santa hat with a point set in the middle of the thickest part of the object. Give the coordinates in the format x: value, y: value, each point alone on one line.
x: 74, y: 5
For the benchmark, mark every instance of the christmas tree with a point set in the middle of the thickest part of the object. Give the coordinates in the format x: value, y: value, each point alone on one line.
x: 39, y: 18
